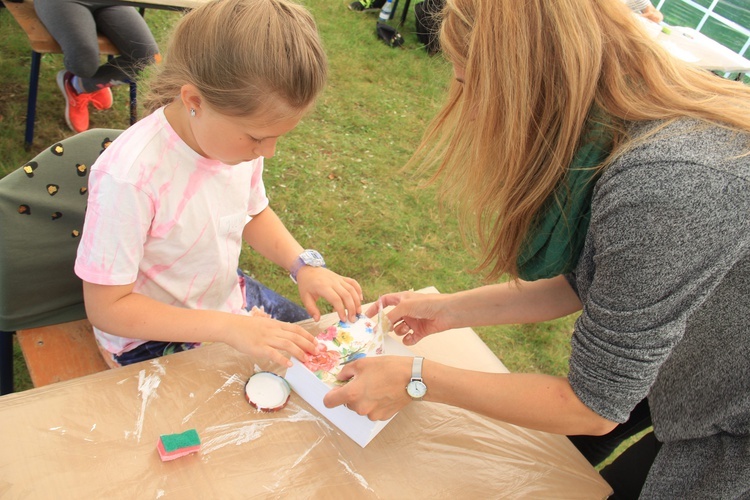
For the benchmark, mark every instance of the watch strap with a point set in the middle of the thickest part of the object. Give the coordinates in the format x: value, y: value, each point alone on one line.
x: 298, y: 264
x: 301, y: 262
x: 416, y: 368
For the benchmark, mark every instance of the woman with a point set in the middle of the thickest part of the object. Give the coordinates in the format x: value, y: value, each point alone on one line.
x: 615, y: 181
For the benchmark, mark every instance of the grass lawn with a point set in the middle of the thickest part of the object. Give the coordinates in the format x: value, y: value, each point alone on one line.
x: 337, y: 180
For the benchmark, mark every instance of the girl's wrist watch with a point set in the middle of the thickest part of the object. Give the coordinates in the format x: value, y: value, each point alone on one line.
x: 307, y: 258
x: 416, y: 387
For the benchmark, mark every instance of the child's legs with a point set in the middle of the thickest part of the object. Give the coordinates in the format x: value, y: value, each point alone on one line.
x: 75, y: 24
x: 72, y: 25
x: 152, y: 349
x: 128, y: 31
x: 279, y: 307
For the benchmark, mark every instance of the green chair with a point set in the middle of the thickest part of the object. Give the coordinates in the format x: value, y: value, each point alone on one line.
x: 42, y: 206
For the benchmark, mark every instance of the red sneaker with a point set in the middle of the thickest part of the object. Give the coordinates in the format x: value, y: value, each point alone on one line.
x: 76, y: 105
x: 102, y: 98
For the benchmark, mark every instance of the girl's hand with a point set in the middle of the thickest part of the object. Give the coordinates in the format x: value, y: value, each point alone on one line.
x: 416, y: 315
x: 266, y: 338
x: 376, y: 387
x: 344, y: 294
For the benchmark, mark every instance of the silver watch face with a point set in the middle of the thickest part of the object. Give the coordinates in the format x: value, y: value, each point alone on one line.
x: 416, y: 389
x: 312, y: 258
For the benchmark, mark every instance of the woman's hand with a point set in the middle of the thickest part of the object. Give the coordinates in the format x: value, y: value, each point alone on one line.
x: 416, y: 315
x: 376, y: 387
x: 652, y: 14
x: 344, y: 294
x: 268, y: 339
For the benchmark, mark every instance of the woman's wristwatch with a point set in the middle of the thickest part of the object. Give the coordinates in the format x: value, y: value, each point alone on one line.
x: 307, y: 258
x: 416, y: 387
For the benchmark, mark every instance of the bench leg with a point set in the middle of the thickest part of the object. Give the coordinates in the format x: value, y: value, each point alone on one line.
x: 6, y: 363
x: 36, y: 62
x: 133, y: 102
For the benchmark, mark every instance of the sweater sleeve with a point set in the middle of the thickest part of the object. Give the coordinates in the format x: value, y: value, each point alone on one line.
x: 664, y: 232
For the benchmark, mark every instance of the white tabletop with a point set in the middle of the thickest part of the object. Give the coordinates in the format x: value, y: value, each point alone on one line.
x: 695, y: 47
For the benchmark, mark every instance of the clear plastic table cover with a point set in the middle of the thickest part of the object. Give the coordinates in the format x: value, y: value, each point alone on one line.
x: 96, y: 437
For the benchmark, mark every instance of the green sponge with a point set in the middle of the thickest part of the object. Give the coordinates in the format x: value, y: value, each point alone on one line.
x: 173, y: 446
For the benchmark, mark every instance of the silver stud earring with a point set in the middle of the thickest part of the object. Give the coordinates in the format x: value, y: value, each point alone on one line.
x: 192, y: 112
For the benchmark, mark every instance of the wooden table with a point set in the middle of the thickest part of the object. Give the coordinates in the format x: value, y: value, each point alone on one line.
x: 95, y: 437
x: 158, y: 4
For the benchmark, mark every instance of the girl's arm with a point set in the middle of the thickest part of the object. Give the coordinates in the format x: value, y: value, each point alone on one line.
x: 269, y: 237
x: 119, y: 311
x: 376, y: 388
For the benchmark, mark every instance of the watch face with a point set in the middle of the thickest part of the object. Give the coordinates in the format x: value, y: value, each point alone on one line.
x: 416, y: 389
x: 312, y: 258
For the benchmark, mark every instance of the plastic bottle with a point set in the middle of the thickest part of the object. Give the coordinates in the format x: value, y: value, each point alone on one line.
x: 386, y: 13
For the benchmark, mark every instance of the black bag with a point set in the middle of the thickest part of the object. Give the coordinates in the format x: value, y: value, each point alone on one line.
x: 389, y: 34
x: 428, y: 23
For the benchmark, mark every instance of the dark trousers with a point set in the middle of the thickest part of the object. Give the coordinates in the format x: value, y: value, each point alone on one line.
x: 628, y: 472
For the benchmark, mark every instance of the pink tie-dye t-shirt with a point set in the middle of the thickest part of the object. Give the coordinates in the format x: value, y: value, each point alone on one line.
x: 168, y: 220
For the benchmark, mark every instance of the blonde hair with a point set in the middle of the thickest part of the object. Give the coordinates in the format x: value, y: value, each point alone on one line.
x: 241, y: 53
x: 534, y: 72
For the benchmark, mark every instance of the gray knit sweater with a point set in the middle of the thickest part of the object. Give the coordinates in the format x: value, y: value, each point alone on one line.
x: 664, y: 278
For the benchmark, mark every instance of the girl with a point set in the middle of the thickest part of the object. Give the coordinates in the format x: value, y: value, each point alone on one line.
x: 74, y: 24
x: 174, y: 196
x: 614, y: 180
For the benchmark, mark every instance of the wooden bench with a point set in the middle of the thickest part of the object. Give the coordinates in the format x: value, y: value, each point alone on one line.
x: 60, y: 352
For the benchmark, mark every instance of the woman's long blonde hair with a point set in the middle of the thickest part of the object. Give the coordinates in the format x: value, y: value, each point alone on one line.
x: 241, y: 54
x: 534, y: 70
